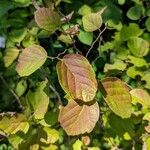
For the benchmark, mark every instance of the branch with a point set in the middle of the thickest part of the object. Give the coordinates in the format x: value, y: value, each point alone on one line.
x: 101, y: 32
x: 35, y: 4
x: 12, y: 92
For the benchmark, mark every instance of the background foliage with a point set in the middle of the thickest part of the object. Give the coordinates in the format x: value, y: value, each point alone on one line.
x: 29, y: 105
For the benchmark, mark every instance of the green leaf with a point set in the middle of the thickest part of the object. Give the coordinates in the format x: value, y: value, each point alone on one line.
x: 132, y: 30
x: 135, y: 12
x: 38, y: 101
x: 12, y: 124
x: 76, y: 119
x: 138, y: 62
x: 31, y: 59
x: 107, y: 46
x: 125, y: 125
x: 17, y: 35
x: 140, y: 96
x: 85, y: 37
x: 15, y: 140
x: 92, y: 21
x: 47, y: 19
x: 52, y: 135
x: 118, y: 65
x: 146, y: 78
x: 21, y: 87
x: 147, y: 24
x: 5, y: 6
x: 138, y: 46
x: 77, y: 145
x: 117, y: 96
x: 121, y: 2
x: 10, y: 55
x: 84, y: 10
x: 77, y: 78
x: 133, y: 72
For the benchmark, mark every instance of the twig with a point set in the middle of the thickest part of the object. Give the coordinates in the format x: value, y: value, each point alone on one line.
x: 101, y: 32
x: 12, y: 92
x: 51, y: 86
x: 58, y: 56
x: 56, y: 93
x: 35, y: 4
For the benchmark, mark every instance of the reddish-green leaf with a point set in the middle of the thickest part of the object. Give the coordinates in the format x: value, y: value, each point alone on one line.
x: 31, y: 59
x: 77, y: 77
x: 47, y: 19
x: 77, y: 119
x: 117, y: 96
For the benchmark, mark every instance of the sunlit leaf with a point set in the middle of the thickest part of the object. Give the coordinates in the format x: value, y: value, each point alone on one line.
x: 10, y: 55
x: 77, y: 145
x: 138, y: 46
x: 38, y: 101
x: 118, y: 65
x: 77, y: 77
x: 140, y: 96
x: 92, y: 21
x: 133, y: 72
x: 138, y: 62
x: 65, y: 39
x: 146, y: 78
x: 132, y: 30
x: 117, y: 96
x: 77, y: 119
x: 84, y: 10
x: 12, y: 124
x: 52, y: 135
x: 47, y: 19
x: 31, y: 59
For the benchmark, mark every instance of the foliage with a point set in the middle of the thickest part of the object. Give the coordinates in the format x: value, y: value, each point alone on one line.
x: 75, y: 74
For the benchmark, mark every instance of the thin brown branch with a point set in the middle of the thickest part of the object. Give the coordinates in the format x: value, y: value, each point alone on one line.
x: 12, y: 92
x: 100, y: 33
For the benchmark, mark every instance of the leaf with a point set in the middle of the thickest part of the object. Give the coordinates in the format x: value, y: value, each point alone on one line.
x: 85, y: 37
x: 50, y: 147
x: 117, y: 96
x: 77, y: 119
x: 77, y: 145
x: 12, y: 124
x: 21, y: 87
x: 138, y: 46
x: 147, y: 24
x: 65, y: 39
x: 146, y: 78
x: 38, y: 101
x: 138, y: 62
x: 135, y: 12
x: 118, y: 65
x: 92, y: 21
x: 17, y: 35
x: 140, y: 96
x: 125, y: 125
x: 47, y: 19
x: 52, y: 135
x: 132, y: 30
x: 133, y: 72
x: 77, y: 77
x: 31, y: 59
x: 10, y: 55
x: 84, y: 10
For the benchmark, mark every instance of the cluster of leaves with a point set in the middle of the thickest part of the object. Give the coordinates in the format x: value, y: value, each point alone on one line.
x: 93, y: 69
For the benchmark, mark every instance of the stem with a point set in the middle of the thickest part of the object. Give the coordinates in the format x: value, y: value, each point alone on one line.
x: 101, y: 32
x: 56, y: 93
x: 35, y: 4
x: 12, y: 92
